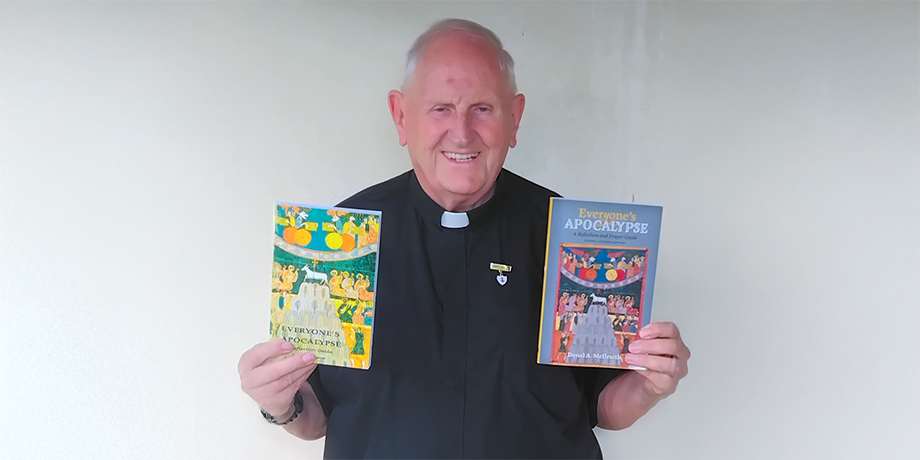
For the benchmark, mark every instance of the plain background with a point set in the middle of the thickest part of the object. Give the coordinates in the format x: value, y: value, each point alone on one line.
x: 143, y: 145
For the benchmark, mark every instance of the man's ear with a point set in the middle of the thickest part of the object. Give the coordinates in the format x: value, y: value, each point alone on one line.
x: 395, y: 99
x: 517, y: 111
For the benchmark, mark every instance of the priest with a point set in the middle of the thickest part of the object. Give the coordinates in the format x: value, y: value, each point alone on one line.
x: 459, y: 293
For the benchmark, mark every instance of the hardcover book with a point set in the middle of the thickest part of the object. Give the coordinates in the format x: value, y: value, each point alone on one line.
x: 323, y: 280
x: 598, y: 282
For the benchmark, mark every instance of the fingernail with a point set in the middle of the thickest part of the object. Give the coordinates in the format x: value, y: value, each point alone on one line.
x: 309, y: 358
x: 287, y: 346
x: 630, y: 358
x: 634, y: 347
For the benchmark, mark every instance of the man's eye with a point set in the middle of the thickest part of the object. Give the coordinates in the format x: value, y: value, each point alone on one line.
x: 482, y: 109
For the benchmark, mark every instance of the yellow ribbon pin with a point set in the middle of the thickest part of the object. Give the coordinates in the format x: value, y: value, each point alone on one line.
x: 502, y: 278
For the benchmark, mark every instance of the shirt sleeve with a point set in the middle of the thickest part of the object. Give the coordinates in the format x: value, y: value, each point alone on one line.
x: 324, y: 399
x: 596, y: 380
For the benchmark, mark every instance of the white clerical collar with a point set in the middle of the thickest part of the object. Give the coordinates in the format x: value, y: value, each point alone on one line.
x: 454, y: 219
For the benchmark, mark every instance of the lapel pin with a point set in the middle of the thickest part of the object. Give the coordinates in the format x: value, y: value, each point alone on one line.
x: 502, y: 278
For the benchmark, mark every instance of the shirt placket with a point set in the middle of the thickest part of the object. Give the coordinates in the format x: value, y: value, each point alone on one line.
x: 453, y: 360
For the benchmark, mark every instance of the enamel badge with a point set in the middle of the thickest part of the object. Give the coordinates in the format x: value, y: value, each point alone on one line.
x: 501, y: 268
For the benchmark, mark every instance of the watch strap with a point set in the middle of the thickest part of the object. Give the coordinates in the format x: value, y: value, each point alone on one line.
x: 298, y: 408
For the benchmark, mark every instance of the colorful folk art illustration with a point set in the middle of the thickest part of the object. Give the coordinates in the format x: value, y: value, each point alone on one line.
x: 598, y: 309
x: 323, y: 280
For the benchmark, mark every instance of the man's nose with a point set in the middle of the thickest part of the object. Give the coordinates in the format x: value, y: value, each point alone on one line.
x: 461, y: 131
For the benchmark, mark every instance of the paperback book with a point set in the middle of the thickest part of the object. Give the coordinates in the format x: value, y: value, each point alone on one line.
x: 324, y: 277
x: 598, y: 282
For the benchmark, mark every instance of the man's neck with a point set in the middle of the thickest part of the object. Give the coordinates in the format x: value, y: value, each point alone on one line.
x: 459, y: 203
x: 462, y: 204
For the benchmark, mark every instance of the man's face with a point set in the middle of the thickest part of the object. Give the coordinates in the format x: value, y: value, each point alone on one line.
x: 458, y: 118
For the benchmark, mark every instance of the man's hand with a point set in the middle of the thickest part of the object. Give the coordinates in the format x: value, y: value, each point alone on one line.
x: 662, y: 352
x: 272, y: 381
x: 664, y: 356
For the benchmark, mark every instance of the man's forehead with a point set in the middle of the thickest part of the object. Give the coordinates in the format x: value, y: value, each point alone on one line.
x: 455, y: 83
x: 458, y: 76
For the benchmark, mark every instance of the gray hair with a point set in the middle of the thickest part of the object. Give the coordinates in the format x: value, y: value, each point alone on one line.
x: 505, y: 62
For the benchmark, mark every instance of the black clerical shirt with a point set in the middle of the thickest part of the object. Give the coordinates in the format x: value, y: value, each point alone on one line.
x: 453, y: 370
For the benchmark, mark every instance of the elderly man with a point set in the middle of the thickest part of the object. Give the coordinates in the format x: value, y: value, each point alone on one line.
x: 454, y: 371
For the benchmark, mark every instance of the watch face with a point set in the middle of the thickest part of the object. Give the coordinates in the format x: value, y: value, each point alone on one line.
x: 268, y: 417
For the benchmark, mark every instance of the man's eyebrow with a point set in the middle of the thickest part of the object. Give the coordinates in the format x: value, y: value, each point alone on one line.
x: 433, y: 103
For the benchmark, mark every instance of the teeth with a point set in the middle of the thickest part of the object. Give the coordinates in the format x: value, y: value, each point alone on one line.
x: 461, y: 156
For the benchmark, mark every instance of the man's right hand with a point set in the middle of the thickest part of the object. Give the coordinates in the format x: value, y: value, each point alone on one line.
x: 270, y: 380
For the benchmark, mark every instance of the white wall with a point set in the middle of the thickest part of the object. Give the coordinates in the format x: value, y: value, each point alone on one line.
x: 142, y: 147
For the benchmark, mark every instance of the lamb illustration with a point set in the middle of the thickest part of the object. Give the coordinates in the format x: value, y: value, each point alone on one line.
x: 312, y: 275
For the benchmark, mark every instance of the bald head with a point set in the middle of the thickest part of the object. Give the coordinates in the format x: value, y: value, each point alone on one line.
x: 464, y: 27
x: 448, y: 58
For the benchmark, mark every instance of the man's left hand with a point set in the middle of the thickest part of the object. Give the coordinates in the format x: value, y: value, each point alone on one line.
x: 663, y: 354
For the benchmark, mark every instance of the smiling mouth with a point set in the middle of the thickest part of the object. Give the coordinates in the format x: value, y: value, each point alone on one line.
x: 461, y: 156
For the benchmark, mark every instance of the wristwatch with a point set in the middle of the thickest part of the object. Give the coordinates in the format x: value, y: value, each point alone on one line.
x: 298, y: 408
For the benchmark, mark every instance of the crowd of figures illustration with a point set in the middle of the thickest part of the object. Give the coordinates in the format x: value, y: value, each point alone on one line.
x: 620, y: 314
x: 348, y: 292
x: 337, y: 301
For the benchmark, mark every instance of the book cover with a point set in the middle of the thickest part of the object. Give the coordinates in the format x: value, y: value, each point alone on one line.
x: 324, y: 277
x: 598, y: 281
